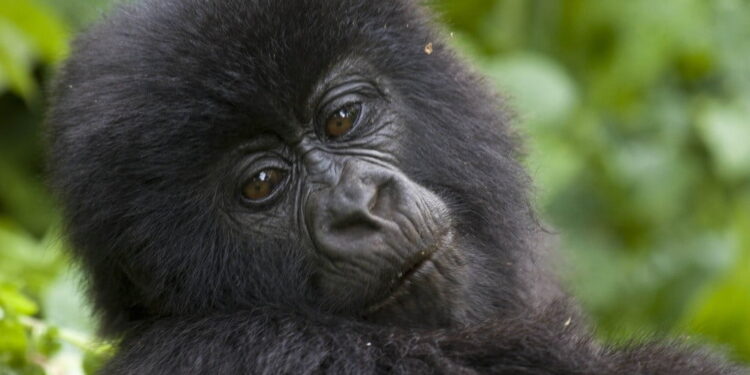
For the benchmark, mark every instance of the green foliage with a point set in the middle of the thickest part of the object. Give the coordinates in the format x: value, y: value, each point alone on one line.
x: 29, y: 270
x: 29, y: 34
x: 721, y: 311
x: 636, y: 115
x: 40, y: 332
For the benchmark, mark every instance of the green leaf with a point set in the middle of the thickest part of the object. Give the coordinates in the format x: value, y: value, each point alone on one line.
x: 46, y: 34
x: 25, y: 259
x: 721, y: 313
x: 48, y: 343
x: 16, y: 60
x: 29, y: 33
x: 539, y: 88
x: 725, y: 130
x: 553, y: 165
x: 14, y: 302
x: 94, y: 361
x: 13, y: 338
x: 24, y: 196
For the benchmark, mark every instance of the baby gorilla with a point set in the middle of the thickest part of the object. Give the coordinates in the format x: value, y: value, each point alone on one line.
x: 299, y: 186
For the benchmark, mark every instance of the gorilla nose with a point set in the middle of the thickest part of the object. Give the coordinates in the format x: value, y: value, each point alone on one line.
x: 354, y: 198
x: 352, y: 203
x: 345, y: 217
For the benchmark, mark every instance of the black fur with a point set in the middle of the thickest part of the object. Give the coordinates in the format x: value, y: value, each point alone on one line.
x: 143, y: 116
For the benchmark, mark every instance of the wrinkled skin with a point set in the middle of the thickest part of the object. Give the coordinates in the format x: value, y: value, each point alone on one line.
x: 380, y: 244
x: 300, y: 187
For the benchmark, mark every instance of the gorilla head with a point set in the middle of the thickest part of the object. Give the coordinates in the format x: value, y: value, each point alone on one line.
x: 221, y: 154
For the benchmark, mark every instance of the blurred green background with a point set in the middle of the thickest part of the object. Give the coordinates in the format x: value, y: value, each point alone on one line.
x: 637, y: 119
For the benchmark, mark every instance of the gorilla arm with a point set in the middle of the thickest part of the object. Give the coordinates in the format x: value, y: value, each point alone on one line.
x: 278, y: 342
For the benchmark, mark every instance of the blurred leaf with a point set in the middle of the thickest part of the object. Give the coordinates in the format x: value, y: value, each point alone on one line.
x: 553, y: 165
x: 94, y: 361
x: 12, y: 337
x: 46, y: 34
x: 48, y: 343
x: 721, y: 312
x: 726, y: 132
x: 24, y: 196
x: 16, y: 60
x: 29, y: 33
x: 14, y: 302
x: 539, y: 88
x: 652, y: 288
x: 25, y: 259
x: 504, y: 25
x: 658, y: 179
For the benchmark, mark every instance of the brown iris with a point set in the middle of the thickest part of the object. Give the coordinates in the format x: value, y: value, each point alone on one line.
x: 342, y: 121
x: 263, y: 184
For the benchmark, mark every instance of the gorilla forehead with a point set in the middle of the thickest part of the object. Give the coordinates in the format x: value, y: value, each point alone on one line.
x: 260, y: 73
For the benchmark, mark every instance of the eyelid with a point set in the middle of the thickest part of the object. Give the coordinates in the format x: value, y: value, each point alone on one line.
x: 342, y: 101
x: 352, y: 87
x: 353, y: 91
x: 253, y: 158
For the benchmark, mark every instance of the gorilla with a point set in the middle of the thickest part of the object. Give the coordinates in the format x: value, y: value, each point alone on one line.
x: 308, y: 187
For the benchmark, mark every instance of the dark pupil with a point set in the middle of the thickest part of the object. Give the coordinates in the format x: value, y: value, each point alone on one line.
x: 341, y: 122
x: 342, y: 116
x: 262, y: 184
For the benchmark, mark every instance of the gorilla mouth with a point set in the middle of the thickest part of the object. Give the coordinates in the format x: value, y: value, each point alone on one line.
x: 418, y: 267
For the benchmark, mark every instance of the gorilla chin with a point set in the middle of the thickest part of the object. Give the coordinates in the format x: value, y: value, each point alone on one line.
x: 427, y: 294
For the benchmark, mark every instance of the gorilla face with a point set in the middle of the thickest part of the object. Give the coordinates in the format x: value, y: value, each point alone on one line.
x: 380, y: 244
x: 211, y: 156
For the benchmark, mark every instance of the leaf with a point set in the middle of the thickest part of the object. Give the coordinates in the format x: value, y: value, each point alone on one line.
x: 16, y: 60
x: 46, y: 33
x: 13, y: 301
x: 725, y: 130
x: 93, y: 362
x: 28, y: 33
x: 12, y: 337
x: 553, y: 165
x: 24, y: 196
x: 721, y: 312
x: 48, y: 343
x: 25, y: 259
x: 542, y: 91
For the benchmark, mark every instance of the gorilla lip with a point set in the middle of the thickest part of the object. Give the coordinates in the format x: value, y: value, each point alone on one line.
x: 422, y: 258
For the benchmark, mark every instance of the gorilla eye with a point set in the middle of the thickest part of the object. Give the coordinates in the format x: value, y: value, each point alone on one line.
x: 342, y: 121
x: 263, y: 184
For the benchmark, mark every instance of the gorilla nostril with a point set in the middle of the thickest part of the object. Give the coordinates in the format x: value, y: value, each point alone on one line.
x: 350, y: 215
x: 373, y: 201
x: 351, y: 208
x: 354, y: 230
x: 348, y: 230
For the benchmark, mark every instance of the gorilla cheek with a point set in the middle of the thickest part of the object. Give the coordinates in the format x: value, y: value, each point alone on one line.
x: 371, y: 229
